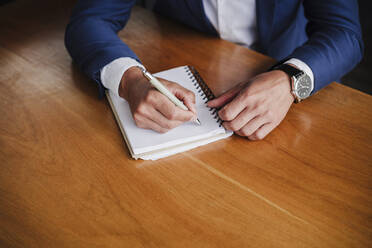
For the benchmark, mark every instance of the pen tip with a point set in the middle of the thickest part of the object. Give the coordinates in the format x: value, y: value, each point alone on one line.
x: 198, y: 121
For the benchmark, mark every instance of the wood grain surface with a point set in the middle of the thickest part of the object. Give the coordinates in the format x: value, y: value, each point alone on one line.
x: 67, y: 180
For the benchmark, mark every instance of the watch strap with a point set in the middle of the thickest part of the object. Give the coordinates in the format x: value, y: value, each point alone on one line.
x: 290, y: 70
x: 293, y: 74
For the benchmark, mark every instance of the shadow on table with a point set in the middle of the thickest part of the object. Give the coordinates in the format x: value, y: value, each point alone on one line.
x: 84, y: 83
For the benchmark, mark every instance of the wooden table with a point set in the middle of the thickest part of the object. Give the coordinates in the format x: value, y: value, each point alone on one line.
x: 67, y: 180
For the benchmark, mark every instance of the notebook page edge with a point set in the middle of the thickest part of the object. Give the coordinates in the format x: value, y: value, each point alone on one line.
x: 119, y: 124
x: 177, y: 142
x: 162, y: 153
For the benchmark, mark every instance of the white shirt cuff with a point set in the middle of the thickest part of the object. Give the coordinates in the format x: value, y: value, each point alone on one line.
x: 112, y: 73
x: 303, y: 67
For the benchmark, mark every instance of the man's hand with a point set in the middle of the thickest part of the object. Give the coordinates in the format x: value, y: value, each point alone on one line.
x: 255, y: 108
x: 150, y: 108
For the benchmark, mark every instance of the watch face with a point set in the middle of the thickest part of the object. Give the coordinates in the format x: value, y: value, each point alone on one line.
x: 303, y: 87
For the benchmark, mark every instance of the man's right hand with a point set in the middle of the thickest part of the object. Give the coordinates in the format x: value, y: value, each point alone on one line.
x: 150, y: 108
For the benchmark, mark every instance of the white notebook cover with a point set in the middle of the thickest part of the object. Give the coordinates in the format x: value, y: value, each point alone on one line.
x: 148, y: 144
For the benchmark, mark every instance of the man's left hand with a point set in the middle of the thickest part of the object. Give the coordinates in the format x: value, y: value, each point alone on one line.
x: 255, y: 108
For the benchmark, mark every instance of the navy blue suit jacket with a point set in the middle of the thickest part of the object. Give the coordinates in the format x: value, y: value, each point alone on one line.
x: 326, y: 35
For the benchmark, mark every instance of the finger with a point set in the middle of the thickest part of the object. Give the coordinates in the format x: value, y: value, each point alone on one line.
x: 183, y: 94
x: 262, y: 131
x: 241, y: 120
x: 161, y: 120
x: 171, y: 111
x: 145, y: 123
x: 186, y: 96
x: 189, y: 101
x: 230, y: 111
x: 252, y: 126
x: 225, y: 97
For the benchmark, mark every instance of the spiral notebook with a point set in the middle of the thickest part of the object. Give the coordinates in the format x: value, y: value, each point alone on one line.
x: 150, y: 145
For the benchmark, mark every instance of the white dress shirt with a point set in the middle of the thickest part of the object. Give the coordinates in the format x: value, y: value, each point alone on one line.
x: 234, y: 21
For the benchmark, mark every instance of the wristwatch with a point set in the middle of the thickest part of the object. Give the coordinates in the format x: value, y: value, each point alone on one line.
x: 301, y: 84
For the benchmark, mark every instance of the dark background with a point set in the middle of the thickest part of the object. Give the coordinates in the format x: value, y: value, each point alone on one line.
x: 360, y: 77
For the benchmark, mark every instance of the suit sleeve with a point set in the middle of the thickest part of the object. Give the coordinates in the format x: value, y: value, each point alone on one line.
x: 335, y: 43
x: 91, y: 35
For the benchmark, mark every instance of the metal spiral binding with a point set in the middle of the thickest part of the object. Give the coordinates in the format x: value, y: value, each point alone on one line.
x: 203, y: 89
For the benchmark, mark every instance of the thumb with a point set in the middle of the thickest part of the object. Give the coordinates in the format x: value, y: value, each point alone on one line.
x: 225, y: 97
